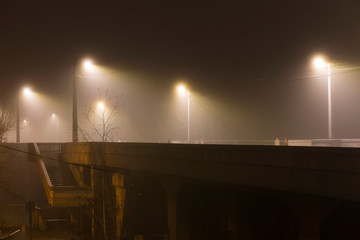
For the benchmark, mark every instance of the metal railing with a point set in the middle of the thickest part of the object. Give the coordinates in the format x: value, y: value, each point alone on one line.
x: 16, y: 235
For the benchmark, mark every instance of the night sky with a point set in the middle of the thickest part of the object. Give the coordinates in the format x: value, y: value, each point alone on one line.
x: 247, y: 64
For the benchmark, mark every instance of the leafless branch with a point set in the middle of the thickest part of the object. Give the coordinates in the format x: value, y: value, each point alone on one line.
x: 102, y: 124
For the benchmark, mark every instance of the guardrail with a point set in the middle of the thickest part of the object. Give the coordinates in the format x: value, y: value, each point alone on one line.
x: 16, y: 235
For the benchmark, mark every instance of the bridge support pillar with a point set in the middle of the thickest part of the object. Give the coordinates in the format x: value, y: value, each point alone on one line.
x: 78, y: 173
x: 308, y: 230
x: 118, y: 183
x: 310, y: 213
x: 92, y: 206
x: 172, y: 189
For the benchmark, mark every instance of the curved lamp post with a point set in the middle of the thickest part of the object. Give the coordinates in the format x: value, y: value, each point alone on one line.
x: 183, y: 90
x: 320, y: 62
x: 56, y: 118
x: 26, y: 92
x: 86, y: 64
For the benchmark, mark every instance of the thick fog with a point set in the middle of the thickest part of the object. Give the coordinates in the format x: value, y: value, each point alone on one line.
x: 247, y: 67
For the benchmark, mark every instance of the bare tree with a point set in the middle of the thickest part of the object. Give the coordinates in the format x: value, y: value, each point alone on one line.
x: 101, y: 122
x: 7, y: 120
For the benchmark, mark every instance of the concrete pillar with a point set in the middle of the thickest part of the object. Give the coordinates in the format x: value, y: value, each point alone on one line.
x: 308, y: 228
x: 172, y: 189
x: 231, y: 222
x: 92, y: 206
x: 310, y: 213
x: 78, y: 173
x: 81, y: 177
x: 120, y: 193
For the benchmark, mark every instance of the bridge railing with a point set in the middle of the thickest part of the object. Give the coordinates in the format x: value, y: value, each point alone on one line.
x: 15, y: 216
x: 16, y: 235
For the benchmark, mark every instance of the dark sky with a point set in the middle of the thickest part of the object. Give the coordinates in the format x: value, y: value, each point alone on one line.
x: 247, y: 62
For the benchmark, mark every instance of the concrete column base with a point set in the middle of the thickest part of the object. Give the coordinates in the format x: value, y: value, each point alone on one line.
x: 172, y: 189
x: 120, y: 194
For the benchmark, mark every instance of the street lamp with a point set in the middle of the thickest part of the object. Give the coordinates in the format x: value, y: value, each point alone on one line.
x: 320, y: 62
x: 56, y: 118
x: 87, y: 64
x: 183, y: 90
x: 101, y: 106
x: 26, y: 92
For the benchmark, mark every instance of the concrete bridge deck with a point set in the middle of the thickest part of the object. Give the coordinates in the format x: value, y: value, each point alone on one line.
x: 333, y: 172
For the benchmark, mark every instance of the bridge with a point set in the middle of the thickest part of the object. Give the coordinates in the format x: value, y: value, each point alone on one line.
x: 304, y: 184
x: 332, y: 172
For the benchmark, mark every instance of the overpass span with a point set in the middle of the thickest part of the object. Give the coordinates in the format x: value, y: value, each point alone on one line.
x: 304, y: 185
x: 333, y: 172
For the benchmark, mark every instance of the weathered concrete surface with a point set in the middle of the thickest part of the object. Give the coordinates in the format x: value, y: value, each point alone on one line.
x: 332, y: 172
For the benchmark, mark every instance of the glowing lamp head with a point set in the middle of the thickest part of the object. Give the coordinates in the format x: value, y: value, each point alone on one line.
x: 101, y: 106
x: 181, y: 89
x: 53, y: 116
x: 319, y: 62
x: 27, y: 91
x: 88, y: 65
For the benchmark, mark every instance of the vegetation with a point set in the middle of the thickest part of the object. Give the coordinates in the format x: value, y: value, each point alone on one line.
x: 7, y: 121
x: 101, y: 123
x: 102, y: 119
